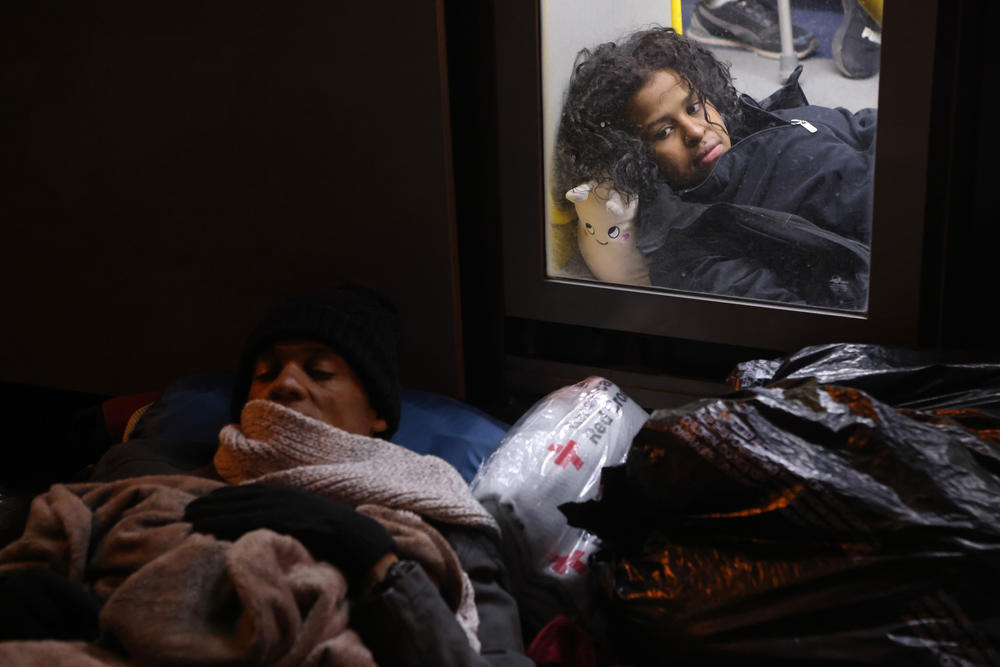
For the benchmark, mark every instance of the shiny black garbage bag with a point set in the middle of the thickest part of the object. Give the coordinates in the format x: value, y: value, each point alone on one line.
x: 802, y: 524
x: 917, y: 378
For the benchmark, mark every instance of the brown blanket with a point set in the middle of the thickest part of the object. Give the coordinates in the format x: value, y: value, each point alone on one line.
x: 179, y: 598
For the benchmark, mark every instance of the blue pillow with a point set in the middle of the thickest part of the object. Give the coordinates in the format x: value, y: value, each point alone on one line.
x: 191, y: 409
x: 196, y: 407
x: 450, y: 429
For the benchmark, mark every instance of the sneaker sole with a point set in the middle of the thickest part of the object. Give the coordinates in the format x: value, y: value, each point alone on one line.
x: 697, y: 32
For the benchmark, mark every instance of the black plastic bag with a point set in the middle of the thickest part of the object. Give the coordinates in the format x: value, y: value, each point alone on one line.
x: 903, y: 377
x: 802, y: 524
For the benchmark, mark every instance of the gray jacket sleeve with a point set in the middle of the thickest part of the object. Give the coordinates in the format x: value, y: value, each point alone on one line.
x: 409, y: 623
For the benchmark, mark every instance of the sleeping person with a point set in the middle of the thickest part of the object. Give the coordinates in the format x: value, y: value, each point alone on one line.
x: 333, y: 546
x: 768, y: 200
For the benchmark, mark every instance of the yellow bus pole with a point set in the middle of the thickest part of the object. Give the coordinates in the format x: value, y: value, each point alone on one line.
x: 675, y: 16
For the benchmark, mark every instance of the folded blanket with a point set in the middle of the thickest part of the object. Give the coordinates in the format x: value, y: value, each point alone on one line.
x: 47, y: 653
x: 260, y: 600
x: 179, y: 598
x: 102, y: 532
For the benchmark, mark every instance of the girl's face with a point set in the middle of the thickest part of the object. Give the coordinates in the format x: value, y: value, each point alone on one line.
x: 687, y: 137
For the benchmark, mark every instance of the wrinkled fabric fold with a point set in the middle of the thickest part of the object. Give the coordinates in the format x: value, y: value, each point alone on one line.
x: 176, y: 597
x: 276, y: 445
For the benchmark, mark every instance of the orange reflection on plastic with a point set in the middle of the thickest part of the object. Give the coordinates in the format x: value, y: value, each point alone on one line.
x: 859, y: 403
x: 781, y: 501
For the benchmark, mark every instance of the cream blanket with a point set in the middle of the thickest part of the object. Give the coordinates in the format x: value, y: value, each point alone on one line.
x: 276, y: 445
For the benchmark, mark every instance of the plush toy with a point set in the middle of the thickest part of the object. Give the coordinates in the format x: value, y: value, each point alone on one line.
x: 605, y: 234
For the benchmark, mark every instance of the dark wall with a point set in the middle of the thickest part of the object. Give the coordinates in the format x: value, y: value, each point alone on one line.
x: 169, y: 169
x: 473, y: 105
x: 962, y: 281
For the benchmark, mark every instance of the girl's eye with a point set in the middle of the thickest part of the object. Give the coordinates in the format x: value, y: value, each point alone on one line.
x: 662, y: 134
x: 613, y: 231
x: 264, y: 376
x: 590, y: 228
x: 694, y: 108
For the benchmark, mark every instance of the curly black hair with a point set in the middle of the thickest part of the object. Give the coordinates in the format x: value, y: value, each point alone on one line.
x: 596, y: 141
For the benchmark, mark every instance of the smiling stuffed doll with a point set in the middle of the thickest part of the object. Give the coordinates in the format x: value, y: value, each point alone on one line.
x: 605, y: 234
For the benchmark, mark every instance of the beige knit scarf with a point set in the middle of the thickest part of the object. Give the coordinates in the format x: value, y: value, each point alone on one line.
x: 276, y: 445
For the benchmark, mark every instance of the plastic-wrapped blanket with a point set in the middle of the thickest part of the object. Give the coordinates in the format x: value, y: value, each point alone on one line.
x: 552, y: 455
x: 803, y: 523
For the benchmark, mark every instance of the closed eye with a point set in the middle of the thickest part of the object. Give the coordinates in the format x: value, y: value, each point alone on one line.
x: 320, y: 368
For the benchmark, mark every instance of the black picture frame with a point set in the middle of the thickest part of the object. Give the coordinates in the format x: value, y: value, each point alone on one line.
x: 897, y: 250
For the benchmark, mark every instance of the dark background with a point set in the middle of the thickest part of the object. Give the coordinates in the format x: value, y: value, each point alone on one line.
x: 169, y: 169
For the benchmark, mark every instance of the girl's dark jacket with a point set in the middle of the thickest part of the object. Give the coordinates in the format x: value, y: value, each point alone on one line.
x: 784, y: 216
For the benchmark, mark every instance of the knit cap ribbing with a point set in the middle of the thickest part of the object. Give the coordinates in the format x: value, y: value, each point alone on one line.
x: 356, y: 323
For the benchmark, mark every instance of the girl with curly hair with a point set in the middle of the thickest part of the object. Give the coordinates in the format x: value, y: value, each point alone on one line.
x: 602, y: 133
x: 780, y: 183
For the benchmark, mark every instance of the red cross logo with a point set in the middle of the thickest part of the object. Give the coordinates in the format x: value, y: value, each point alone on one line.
x: 563, y: 563
x: 565, y: 454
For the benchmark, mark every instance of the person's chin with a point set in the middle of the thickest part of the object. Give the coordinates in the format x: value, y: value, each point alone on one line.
x: 696, y: 177
x: 706, y: 167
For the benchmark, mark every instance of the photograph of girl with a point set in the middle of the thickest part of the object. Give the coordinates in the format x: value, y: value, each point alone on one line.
x: 676, y: 180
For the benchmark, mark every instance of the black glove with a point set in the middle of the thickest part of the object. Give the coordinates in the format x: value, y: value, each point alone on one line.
x: 36, y: 603
x: 331, y: 531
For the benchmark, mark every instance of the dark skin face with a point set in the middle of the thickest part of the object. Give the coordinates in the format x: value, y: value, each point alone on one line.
x: 687, y: 136
x: 312, y: 379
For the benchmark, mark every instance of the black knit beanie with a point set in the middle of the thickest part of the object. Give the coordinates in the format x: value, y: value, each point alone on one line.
x: 356, y: 323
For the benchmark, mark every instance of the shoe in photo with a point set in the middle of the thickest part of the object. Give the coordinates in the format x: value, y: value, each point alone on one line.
x: 856, y: 44
x: 749, y: 24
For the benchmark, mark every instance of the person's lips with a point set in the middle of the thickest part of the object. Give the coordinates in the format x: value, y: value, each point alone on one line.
x: 710, y: 153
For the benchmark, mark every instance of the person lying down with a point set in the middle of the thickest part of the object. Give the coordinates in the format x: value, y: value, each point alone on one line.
x: 314, y: 541
x: 678, y: 181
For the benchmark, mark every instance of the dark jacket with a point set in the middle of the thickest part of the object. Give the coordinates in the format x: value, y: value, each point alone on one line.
x: 760, y: 254
x: 824, y: 176
x: 784, y: 216
x: 410, y: 624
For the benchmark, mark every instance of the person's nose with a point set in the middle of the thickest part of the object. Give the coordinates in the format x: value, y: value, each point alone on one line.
x: 693, y: 130
x: 287, y: 387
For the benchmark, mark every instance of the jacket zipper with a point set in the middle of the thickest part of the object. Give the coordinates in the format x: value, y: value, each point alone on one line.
x: 804, y: 123
x: 794, y: 121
